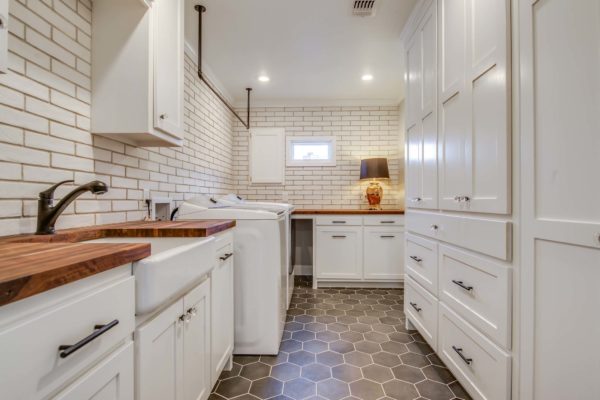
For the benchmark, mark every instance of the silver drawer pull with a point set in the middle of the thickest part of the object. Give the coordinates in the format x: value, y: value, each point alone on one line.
x: 387, y: 236
x: 338, y: 222
x: 462, y: 285
x: 466, y: 198
x: 387, y: 222
x: 416, y: 199
x: 164, y: 116
x: 225, y: 256
x: 416, y: 307
x: 459, y: 351
x: 458, y: 199
x: 434, y: 227
x: 417, y: 259
x: 339, y: 236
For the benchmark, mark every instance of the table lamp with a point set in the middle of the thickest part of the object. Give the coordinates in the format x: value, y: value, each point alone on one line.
x: 373, y: 169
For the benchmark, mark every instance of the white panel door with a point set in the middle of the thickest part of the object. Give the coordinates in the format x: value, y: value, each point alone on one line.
x: 196, y: 343
x: 339, y: 252
x: 560, y: 142
x: 111, y: 379
x: 474, y: 106
x: 267, y: 155
x: 159, y: 356
x: 383, y: 253
x: 168, y: 39
x: 421, y: 151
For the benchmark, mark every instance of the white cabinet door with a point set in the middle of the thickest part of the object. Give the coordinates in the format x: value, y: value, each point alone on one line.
x: 339, y: 252
x: 383, y: 253
x: 168, y: 39
x: 267, y: 155
x: 560, y: 231
x: 159, y: 356
x: 474, y: 106
x: 222, y: 311
x: 111, y: 379
x: 196, y: 343
x: 421, y: 159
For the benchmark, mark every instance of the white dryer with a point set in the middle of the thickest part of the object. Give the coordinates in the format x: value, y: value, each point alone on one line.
x: 236, y: 200
x: 260, y: 271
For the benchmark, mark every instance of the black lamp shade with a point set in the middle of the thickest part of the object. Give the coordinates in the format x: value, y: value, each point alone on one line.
x: 374, y: 168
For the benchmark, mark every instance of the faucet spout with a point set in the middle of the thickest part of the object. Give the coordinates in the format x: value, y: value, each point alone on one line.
x: 48, y: 213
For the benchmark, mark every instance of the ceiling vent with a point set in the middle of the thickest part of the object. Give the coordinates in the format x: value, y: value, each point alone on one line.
x: 364, y: 8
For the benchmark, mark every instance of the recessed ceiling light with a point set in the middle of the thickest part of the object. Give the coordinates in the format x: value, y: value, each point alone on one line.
x: 367, y: 77
x: 264, y: 78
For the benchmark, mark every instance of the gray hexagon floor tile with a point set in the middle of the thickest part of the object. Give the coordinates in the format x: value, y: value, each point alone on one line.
x: 343, y: 344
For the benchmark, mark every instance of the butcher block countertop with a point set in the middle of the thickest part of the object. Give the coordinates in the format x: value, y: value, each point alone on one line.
x: 32, y: 264
x: 339, y: 211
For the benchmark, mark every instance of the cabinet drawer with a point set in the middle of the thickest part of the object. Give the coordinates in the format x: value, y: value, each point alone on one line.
x: 339, y: 253
x: 339, y: 220
x: 383, y: 220
x: 478, y: 290
x: 32, y: 366
x: 478, y: 364
x: 487, y: 236
x: 111, y: 379
x: 383, y: 253
x: 422, y: 309
x: 422, y: 262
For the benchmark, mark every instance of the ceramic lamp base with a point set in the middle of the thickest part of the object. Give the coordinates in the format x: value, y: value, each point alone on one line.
x: 374, y: 195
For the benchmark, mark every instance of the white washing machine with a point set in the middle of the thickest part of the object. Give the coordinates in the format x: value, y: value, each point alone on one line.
x: 260, y: 270
x: 234, y: 200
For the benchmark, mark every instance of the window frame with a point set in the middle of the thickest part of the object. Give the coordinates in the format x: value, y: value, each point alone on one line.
x: 292, y: 140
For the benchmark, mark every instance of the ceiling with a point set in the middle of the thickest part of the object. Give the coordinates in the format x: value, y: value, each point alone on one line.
x: 314, y: 51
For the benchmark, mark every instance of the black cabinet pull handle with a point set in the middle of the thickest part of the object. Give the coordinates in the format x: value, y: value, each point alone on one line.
x: 459, y: 351
x: 387, y: 236
x: 338, y: 222
x: 67, y: 349
x: 417, y: 259
x: 387, y: 222
x: 462, y: 285
x: 416, y: 307
x: 338, y: 236
x: 225, y: 256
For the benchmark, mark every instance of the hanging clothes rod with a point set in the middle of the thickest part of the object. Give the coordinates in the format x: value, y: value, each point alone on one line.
x: 201, y: 9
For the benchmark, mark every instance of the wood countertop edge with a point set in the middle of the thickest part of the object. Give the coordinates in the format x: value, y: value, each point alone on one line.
x: 346, y: 212
x: 19, y: 285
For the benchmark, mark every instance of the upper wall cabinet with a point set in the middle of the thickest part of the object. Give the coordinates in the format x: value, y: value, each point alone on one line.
x: 421, y: 129
x: 267, y: 155
x: 474, y: 106
x: 138, y: 71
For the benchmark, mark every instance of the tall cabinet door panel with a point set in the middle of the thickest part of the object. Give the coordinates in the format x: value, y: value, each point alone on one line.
x: 421, y: 157
x: 383, y: 253
x: 168, y: 65
x: 339, y: 252
x: 196, y: 343
x: 560, y: 231
x: 474, y: 142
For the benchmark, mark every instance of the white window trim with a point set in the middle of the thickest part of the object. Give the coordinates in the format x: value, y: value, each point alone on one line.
x: 290, y: 162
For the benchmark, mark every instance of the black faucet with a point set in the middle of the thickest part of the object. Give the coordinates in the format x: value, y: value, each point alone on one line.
x: 48, y: 213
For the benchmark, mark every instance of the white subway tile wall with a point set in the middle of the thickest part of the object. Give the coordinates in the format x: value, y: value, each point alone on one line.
x: 361, y: 132
x: 45, y: 137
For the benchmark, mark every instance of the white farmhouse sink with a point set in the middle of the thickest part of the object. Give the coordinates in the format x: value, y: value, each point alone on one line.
x: 175, y: 265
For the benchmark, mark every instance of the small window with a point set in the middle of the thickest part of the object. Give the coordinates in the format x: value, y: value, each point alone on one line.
x: 311, y: 151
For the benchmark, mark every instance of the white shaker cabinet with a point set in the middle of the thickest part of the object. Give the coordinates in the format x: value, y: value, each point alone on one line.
x: 383, y: 253
x: 222, y: 295
x: 138, y: 71
x: 421, y: 128
x: 560, y: 230
x: 339, y: 252
x: 474, y: 101
x: 173, y: 350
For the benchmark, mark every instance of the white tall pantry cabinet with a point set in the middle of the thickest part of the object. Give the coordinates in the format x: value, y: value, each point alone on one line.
x: 458, y: 189
x: 559, y: 50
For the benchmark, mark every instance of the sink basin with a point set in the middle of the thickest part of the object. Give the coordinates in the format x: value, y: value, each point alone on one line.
x: 175, y: 265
